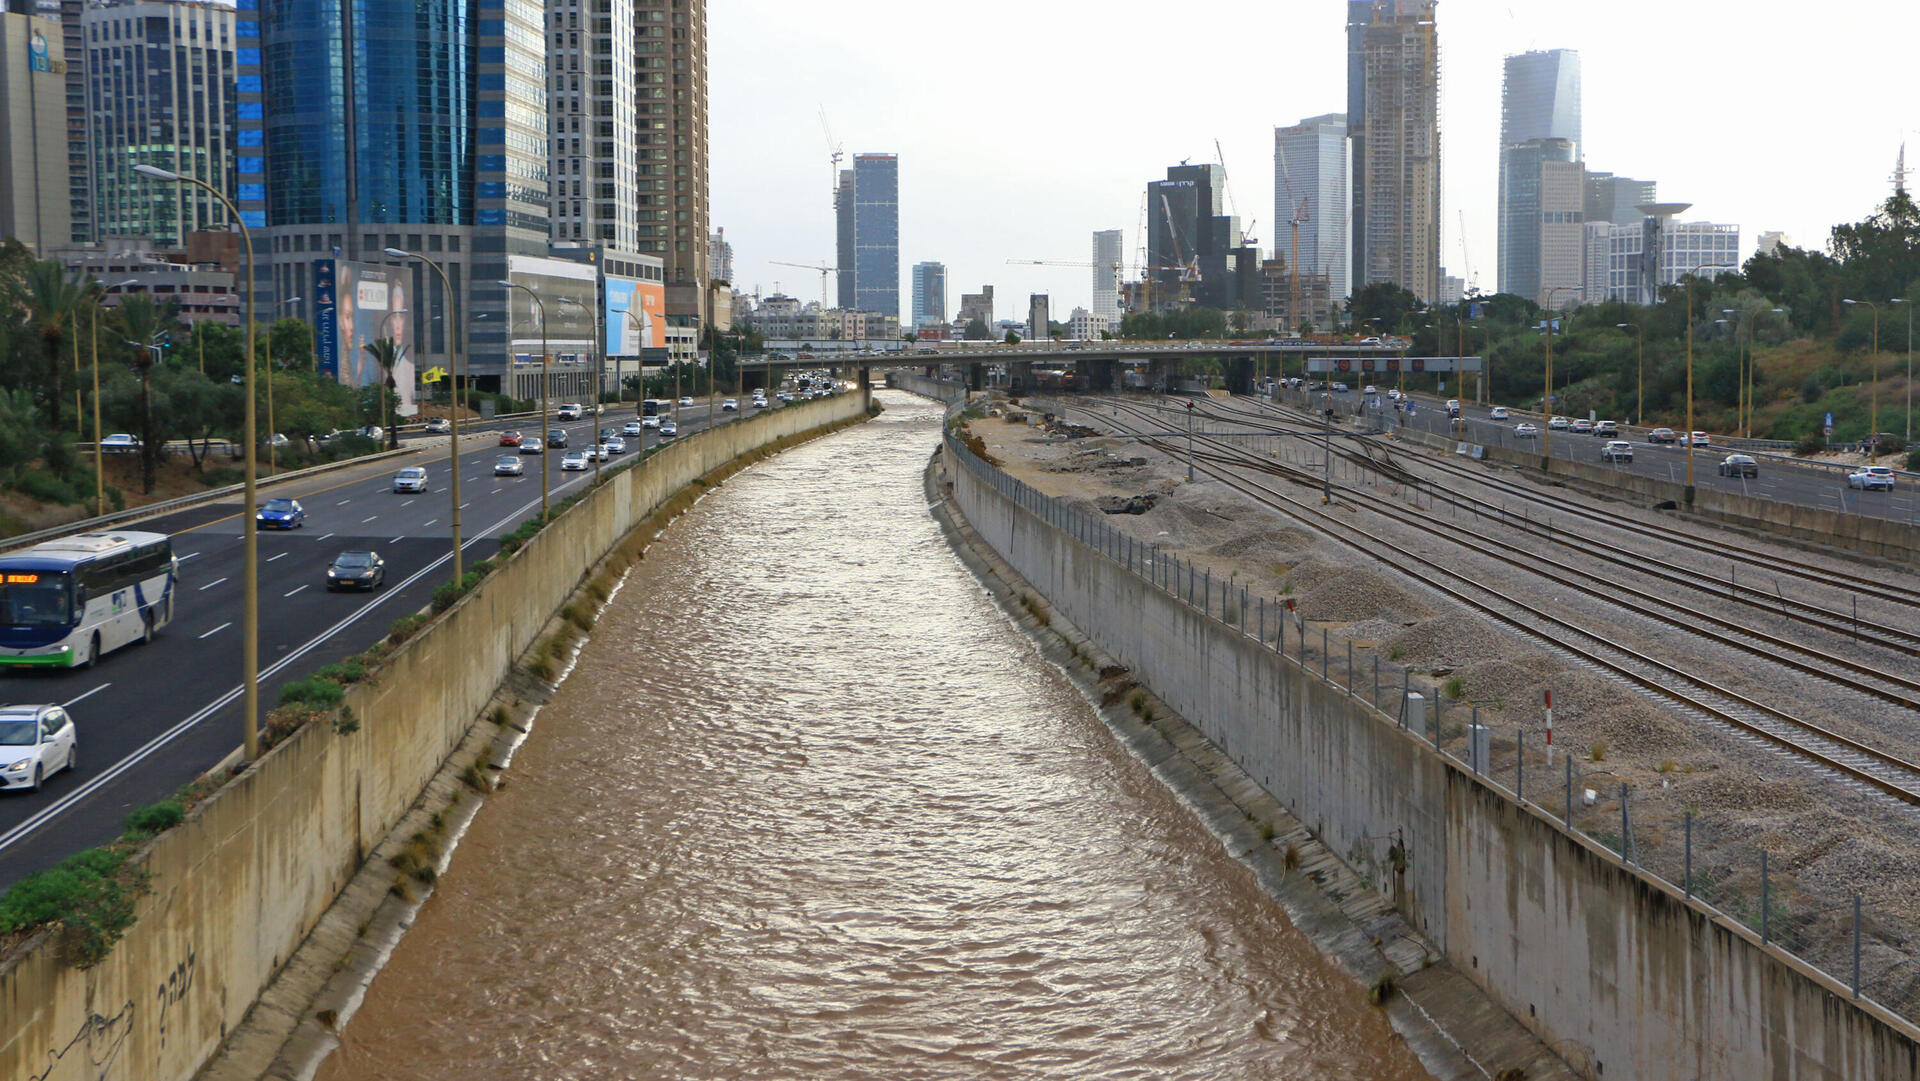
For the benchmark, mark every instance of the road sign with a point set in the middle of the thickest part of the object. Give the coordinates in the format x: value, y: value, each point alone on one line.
x: 1393, y: 364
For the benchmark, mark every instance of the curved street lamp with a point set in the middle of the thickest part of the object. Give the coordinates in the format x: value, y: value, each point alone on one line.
x: 544, y: 413
x: 250, y: 537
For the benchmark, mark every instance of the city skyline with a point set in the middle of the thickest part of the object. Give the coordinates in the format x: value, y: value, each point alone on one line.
x: 976, y: 207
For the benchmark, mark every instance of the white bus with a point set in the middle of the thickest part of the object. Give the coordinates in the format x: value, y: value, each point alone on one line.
x: 66, y: 602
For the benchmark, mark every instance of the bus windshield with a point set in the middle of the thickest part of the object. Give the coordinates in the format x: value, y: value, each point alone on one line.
x: 35, y: 599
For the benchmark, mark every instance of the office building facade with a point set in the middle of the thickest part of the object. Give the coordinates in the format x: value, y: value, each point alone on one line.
x: 1310, y: 181
x: 592, y: 127
x: 1109, y: 266
x: 1039, y: 318
x: 1539, y: 100
x: 929, y: 294
x: 876, y: 233
x: 1194, y: 251
x: 35, y: 202
x: 1659, y: 251
x: 1617, y: 200
x: 1543, y: 222
x: 160, y: 80
x: 976, y: 306
x: 1393, y: 118
x: 843, y: 240
x: 444, y: 154
x: 720, y: 256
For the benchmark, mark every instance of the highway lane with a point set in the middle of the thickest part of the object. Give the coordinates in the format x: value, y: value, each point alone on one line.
x: 153, y: 717
x: 1779, y: 480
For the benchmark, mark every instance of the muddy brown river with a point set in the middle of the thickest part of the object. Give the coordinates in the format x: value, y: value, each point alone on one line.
x: 810, y: 807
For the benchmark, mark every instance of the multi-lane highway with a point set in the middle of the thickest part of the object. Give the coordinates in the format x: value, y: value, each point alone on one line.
x: 153, y: 717
x: 1780, y: 479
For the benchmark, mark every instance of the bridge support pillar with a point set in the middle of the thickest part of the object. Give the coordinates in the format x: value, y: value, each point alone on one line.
x: 1097, y: 374
x: 1240, y: 375
x: 1160, y: 375
x: 977, y: 376
x: 1020, y: 377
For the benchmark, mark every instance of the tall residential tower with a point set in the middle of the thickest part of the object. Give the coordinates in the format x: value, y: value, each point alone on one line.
x: 1108, y: 271
x: 929, y: 294
x: 876, y: 233
x: 1393, y: 126
x: 1540, y: 100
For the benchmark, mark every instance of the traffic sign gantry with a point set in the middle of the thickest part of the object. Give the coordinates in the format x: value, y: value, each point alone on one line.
x: 1393, y: 364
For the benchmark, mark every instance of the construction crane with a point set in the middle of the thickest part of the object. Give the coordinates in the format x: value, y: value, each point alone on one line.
x: 1120, y: 269
x: 824, y: 271
x: 1301, y: 215
x: 1466, y: 259
x: 835, y: 151
x: 1246, y: 236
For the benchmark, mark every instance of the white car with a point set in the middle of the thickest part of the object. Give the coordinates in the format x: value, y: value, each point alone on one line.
x: 1525, y: 430
x: 1394, y: 393
x: 669, y: 429
x: 1871, y: 476
x: 36, y: 742
x: 1617, y: 450
x: 569, y: 411
x: 1558, y: 424
x: 632, y: 429
x: 730, y: 405
x: 120, y: 443
x: 615, y: 445
x: 575, y: 460
x: 531, y: 445
x: 649, y: 422
x: 686, y: 400
x: 1369, y: 390
x: 598, y: 452
x: 1498, y: 412
x: 439, y: 426
x: 411, y: 479
x: 1701, y: 439
x: 508, y: 466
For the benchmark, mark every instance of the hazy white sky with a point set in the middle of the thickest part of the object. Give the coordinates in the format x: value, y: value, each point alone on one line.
x: 1024, y: 125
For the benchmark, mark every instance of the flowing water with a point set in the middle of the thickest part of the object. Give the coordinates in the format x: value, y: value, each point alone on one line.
x: 810, y: 807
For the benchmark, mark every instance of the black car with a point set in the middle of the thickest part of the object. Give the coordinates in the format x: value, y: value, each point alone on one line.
x: 557, y: 438
x: 357, y: 570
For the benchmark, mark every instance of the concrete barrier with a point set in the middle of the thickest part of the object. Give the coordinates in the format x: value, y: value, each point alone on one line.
x: 941, y: 390
x: 1611, y: 967
x: 240, y: 883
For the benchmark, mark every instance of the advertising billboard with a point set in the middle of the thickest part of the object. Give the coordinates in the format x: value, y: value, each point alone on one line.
x: 566, y: 292
x: 636, y: 316
x: 355, y: 304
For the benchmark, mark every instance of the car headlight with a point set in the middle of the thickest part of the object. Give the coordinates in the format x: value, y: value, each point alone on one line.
x: 20, y: 766
x: 331, y: 573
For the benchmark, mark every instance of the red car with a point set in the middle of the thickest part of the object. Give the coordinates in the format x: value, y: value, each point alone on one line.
x: 509, y: 439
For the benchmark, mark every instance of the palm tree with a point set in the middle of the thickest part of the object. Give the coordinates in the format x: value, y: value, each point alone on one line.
x: 385, y: 353
x: 145, y: 326
x: 51, y: 299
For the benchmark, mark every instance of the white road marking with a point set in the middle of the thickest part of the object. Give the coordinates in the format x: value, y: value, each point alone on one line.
x: 465, y: 505
x: 324, y: 538
x: 68, y: 704
x: 408, y: 503
x: 429, y: 522
x: 216, y: 630
x: 343, y: 502
x: 211, y: 584
x: 497, y: 491
x: 189, y: 555
x: 368, y: 518
x: 271, y: 558
x: 290, y: 593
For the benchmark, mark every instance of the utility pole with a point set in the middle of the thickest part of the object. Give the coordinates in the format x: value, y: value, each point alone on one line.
x: 1189, y: 442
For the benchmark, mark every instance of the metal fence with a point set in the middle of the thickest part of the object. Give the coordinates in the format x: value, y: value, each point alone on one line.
x: 1853, y: 935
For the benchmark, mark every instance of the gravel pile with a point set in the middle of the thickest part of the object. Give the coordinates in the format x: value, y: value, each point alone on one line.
x: 1371, y: 630
x: 1449, y: 641
x: 1500, y: 684
x: 1726, y: 794
x: 1355, y: 593
x: 1276, y: 544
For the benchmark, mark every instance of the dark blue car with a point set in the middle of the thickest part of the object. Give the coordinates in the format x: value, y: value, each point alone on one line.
x: 281, y: 514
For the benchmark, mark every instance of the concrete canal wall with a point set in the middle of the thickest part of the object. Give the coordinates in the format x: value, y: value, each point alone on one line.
x: 1612, y: 968
x: 237, y: 887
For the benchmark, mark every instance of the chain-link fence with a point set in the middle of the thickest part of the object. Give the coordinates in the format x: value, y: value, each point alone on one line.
x: 1857, y: 935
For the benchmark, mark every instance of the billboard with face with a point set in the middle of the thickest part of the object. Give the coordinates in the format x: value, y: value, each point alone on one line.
x: 636, y: 316
x: 356, y: 304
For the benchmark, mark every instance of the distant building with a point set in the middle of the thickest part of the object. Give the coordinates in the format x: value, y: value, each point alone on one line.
x: 1617, y: 200
x: 1539, y: 121
x: 720, y: 256
x: 1310, y: 179
x: 1771, y: 242
x: 1086, y: 326
x: 1543, y: 252
x: 929, y: 294
x: 1453, y: 289
x: 976, y: 306
x: 1191, y: 245
x: 161, y: 93
x: 35, y: 200
x: 1108, y: 271
x: 1659, y: 251
x: 1318, y: 297
x: 843, y: 239
x: 1393, y: 127
x: 1039, y: 318
x: 876, y: 233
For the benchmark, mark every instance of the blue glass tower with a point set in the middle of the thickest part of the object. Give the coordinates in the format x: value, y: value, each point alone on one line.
x: 876, y: 233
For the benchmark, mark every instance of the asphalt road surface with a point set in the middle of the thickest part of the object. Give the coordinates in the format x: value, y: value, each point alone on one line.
x: 151, y: 718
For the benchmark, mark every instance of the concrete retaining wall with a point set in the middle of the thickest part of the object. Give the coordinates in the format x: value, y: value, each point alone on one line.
x: 1818, y: 525
x: 1613, y: 969
x: 938, y: 389
x: 238, y: 886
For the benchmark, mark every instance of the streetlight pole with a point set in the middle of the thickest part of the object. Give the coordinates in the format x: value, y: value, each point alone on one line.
x: 1640, y: 384
x: 453, y: 429
x: 1873, y: 365
x: 99, y: 476
x: 250, y: 537
x: 544, y: 414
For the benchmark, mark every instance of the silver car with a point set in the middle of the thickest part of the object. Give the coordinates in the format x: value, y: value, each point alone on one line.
x: 411, y: 479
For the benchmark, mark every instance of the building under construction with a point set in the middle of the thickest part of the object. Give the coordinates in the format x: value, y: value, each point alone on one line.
x: 1393, y: 126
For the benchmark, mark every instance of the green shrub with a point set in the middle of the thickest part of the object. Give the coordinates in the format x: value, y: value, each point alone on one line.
x: 222, y: 476
x: 347, y: 671
x: 315, y: 693
x: 155, y: 818
x: 90, y: 894
x: 1810, y: 444
x: 1454, y: 687
x: 47, y: 488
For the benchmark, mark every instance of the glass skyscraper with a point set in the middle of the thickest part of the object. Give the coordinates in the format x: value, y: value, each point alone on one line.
x: 1310, y: 174
x: 364, y: 126
x: 929, y: 293
x: 876, y: 233
x: 1540, y: 99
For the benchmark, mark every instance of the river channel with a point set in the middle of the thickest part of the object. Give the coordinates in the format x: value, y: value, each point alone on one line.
x: 811, y: 807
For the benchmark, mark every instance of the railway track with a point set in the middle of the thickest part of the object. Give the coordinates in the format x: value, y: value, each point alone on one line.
x: 1858, y: 761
